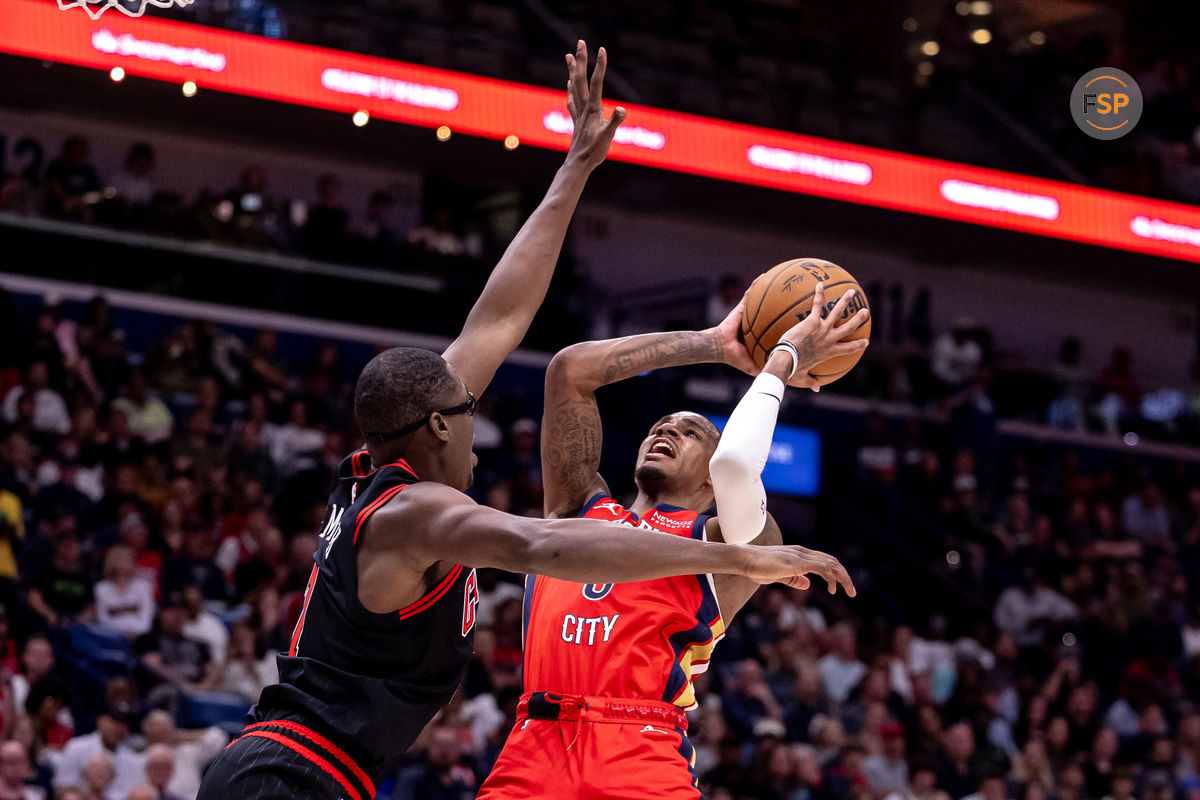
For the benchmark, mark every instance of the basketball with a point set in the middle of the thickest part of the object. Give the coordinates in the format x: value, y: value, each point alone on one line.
x: 783, y: 296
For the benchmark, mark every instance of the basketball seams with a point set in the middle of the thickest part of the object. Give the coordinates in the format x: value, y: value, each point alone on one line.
x: 779, y: 270
x: 808, y: 296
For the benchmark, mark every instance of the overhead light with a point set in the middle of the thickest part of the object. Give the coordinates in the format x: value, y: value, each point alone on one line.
x: 963, y: 8
x: 360, y: 118
x: 1037, y: 38
x: 981, y: 36
x: 981, y: 8
x: 511, y: 142
x: 117, y: 74
x: 189, y: 88
x: 925, y: 68
x: 931, y: 48
x: 443, y: 133
x: 909, y: 25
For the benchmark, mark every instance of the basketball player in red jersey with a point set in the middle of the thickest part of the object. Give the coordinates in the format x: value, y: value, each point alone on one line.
x: 386, y: 629
x: 608, y: 667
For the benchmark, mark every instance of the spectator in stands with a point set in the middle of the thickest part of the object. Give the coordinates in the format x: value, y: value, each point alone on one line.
x: 840, y: 668
x: 145, y: 791
x: 324, y: 233
x: 203, y: 625
x: 749, y: 701
x: 727, y: 294
x: 1027, y: 611
x: 249, y: 459
x: 190, y: 752
x: 265, y: 370
x: 147, y: 415
x: 62, y: 495
x: 887, y: 772
x: 60, y: 590
x: 377, y: 239
x: 118, y: 767
x: 250, y: 665
x: 441, y: 775
x: 124, y: 600
x: 959, y: 772
x: 174, y: 662
x: 15, y: 771
x: 437, y: 235
x: 98, y: 777
x: 160, y: 769
x: 295, y: 445
x: 1068, y: 409
x: 37, y: 661
x: 957, y: 357
x: 50, y: 413
x: 1144, y: 516
x: 133, y: 186
x: 12, y: 532
x: 72, y: 185
x: 46, y: 706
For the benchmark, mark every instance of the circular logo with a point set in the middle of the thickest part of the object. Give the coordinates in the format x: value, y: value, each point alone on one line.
x: 1106, y: 103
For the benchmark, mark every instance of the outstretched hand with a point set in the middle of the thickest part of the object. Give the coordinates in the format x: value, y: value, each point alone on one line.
x: 593, y: 133
x: 792, y: 564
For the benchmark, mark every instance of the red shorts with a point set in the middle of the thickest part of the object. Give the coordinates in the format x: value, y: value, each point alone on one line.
x: 594, y: 748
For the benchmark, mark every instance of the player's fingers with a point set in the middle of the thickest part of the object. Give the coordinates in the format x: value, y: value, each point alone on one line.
x: 617, y: 118
x: 839, y: 308
x: 579, y: 74
x: 799, y: 582
x: 572, y: 107
x: 818, y: 299
x: 849, y: 348
x: 854, y: 321
x: 597, y: 85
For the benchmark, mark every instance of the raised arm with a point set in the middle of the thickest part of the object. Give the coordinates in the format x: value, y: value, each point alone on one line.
x: 515, y: 290
x: 430, y: 523
x: 571, y: 433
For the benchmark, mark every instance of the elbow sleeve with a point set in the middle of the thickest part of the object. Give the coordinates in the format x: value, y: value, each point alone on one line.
x: 736, y: 466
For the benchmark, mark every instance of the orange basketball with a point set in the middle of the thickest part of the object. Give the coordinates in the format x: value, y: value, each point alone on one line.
x: 783, y: 296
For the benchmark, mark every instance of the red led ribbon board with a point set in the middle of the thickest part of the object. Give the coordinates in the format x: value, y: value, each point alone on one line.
x: 330, y: 79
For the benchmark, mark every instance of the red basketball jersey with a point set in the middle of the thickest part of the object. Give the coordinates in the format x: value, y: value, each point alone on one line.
x: 641, y: 640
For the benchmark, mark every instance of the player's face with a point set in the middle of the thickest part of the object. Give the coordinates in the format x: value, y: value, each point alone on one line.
x: 676, y: 452
x: 462, y: 428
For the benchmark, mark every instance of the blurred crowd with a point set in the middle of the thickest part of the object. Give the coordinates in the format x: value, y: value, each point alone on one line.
x: 248, y: 214
x: 158, y: 509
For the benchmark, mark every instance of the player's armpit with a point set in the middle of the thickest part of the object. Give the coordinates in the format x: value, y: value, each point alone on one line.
x: 734, y: 591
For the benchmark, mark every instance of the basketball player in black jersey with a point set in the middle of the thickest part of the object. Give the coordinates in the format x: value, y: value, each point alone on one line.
x: 387, y: 624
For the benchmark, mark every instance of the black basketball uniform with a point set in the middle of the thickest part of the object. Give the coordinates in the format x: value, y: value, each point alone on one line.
x: 355, y: 688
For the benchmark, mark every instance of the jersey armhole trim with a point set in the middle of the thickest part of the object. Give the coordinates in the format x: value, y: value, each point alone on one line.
x: 596, y: 498
x: 431, y: 597
x: 377, y: 504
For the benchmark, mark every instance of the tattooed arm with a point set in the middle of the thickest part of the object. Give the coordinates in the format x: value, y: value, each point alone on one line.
x: 571, y: 432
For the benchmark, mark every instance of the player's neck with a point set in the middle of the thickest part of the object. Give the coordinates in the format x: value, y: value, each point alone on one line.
x: 426, y: 465
x: 698, y: 502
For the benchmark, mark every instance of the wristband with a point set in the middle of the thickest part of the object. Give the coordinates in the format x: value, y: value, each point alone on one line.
x: 791, y: 351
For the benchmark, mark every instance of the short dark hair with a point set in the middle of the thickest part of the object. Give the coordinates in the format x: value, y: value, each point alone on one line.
x: 398, y: 386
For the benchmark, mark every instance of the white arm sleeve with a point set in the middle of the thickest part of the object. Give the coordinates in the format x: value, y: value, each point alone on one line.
x: 736, y: 466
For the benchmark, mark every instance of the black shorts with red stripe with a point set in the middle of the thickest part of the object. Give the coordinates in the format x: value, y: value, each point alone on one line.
x: 279, y: 760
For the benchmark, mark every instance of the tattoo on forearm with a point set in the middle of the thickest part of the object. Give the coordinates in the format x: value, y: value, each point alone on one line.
x: 663, y: 350
x: 571, y: 445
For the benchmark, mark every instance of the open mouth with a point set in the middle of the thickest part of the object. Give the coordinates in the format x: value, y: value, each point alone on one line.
x: 661, y: 448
